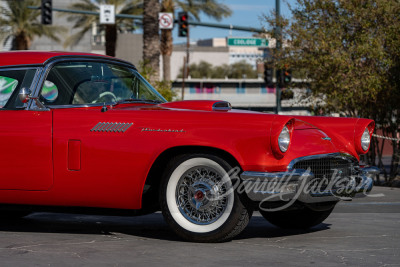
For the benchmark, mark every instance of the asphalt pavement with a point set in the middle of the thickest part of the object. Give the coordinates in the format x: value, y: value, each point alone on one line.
x: 363, y: 232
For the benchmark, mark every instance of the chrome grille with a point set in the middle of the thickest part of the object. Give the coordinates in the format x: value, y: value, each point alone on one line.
x: 328, y: 168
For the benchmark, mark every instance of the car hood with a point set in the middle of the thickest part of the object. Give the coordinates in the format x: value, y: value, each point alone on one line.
x: 343, y: 133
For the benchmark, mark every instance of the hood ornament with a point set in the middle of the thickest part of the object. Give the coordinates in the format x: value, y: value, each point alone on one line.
x: 326, y: 138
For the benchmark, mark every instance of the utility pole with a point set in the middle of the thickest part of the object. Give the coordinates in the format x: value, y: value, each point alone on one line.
x: 187, y: 52
x: 184, y: 71
x: 185, y: 65
x: 183, y: 21
x: 278, y: 48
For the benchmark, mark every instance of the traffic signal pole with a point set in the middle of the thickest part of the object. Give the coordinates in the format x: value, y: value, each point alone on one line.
x: 183, y: 31
x: 187, y: 51
x: 278, y: 48
x: 140, y: 17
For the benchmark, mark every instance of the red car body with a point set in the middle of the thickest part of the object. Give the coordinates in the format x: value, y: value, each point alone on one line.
x: 57, y: 157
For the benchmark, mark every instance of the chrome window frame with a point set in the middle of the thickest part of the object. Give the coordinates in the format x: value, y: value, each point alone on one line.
x: 50, y: 63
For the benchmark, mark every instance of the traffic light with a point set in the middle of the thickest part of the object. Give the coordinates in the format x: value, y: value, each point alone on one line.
x: 268, y: 74
x: 183, y: 24
x: 47, y: 12
x: 284, y: 77
x: 287, y: 76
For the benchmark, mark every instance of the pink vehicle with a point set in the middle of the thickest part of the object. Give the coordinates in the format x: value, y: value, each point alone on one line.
x: 86, y: 133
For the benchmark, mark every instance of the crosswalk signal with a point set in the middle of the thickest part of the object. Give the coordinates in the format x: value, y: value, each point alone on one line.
x: 183, y: 24
x: 47, y: 12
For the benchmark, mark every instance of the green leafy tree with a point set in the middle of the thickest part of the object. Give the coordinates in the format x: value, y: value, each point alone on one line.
x: 163, y: 87
x: 349, y: 52
x: 212, y: 8
x: 22, y: 24
x: 201, y: 70
x: 84, y: 22
x: 242, y: 69
x: 237, y: 70
x: 221, y: 71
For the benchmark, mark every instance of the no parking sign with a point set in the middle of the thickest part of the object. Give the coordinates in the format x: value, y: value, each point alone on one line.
x: 107, y: 14
x: 166, y: 20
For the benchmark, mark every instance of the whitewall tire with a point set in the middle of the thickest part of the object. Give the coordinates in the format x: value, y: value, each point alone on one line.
x: 198, y: 200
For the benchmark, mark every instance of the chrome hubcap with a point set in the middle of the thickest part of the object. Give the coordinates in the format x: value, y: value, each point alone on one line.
x: 201, y: 195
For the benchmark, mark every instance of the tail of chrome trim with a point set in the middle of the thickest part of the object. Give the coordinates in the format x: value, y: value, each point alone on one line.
x: 267, y: 176
x: 370, y: 171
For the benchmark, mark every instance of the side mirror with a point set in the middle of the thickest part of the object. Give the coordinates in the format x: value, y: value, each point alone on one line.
x: 24, y: 95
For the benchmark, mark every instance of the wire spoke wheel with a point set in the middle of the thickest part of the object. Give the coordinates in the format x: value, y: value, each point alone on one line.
x: 201, y: 196
x: 198, y: 200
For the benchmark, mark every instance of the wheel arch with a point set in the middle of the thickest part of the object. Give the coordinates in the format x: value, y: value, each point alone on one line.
x: 150, y: 189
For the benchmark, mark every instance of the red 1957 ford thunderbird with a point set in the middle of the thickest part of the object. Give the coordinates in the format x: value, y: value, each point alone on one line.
x: 86, y: 133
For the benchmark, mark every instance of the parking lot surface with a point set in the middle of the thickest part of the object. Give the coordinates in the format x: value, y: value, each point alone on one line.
x: 363, y: 232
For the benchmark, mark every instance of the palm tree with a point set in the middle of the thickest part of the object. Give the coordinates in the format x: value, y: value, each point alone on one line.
x: 194, y: 7
x: 151, y: 38
x: 166, y: 41
x: 85, y: 22
x: 22, y: 24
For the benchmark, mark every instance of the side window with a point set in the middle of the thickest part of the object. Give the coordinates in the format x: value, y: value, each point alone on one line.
x: 11, y: 81
x: 7, y: 87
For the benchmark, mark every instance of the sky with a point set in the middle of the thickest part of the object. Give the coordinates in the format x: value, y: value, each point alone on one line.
x: 246, y: 13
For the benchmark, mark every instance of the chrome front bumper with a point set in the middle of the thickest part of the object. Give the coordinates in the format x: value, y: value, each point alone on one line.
x: 297, y: 184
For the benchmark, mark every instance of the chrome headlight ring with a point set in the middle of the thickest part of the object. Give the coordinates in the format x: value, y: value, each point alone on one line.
x: 365, y: 139
x: 284, y: 139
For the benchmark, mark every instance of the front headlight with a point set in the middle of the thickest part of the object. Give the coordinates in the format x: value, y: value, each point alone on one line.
x: 284, y: 139
x: 365, y: 139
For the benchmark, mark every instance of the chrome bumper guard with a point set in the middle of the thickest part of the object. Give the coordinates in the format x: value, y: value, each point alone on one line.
x: 286, y: 186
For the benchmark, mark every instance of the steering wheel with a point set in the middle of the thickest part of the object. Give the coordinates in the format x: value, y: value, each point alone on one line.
x: 105, y: 97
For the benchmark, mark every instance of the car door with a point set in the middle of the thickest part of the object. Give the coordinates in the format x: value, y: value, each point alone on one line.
x: 25, y: 136
x: 95, y: 168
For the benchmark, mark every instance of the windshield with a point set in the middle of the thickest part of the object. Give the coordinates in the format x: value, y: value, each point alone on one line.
x: 79, y: 83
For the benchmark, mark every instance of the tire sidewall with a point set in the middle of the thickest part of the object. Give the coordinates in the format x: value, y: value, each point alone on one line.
x: 188, y: 230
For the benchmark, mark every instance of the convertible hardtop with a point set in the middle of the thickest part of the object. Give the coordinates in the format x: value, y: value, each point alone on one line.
x: 18, y: 58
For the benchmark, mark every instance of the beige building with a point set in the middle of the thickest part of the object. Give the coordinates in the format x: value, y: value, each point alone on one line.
x: 216, y: 51
x: 214, y: 55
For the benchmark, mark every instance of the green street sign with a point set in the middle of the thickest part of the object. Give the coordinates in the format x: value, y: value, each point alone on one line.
x: 247, y: 42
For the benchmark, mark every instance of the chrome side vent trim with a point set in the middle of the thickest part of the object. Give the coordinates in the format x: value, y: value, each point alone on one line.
x: 115, y: 127
x: 221, y: 106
